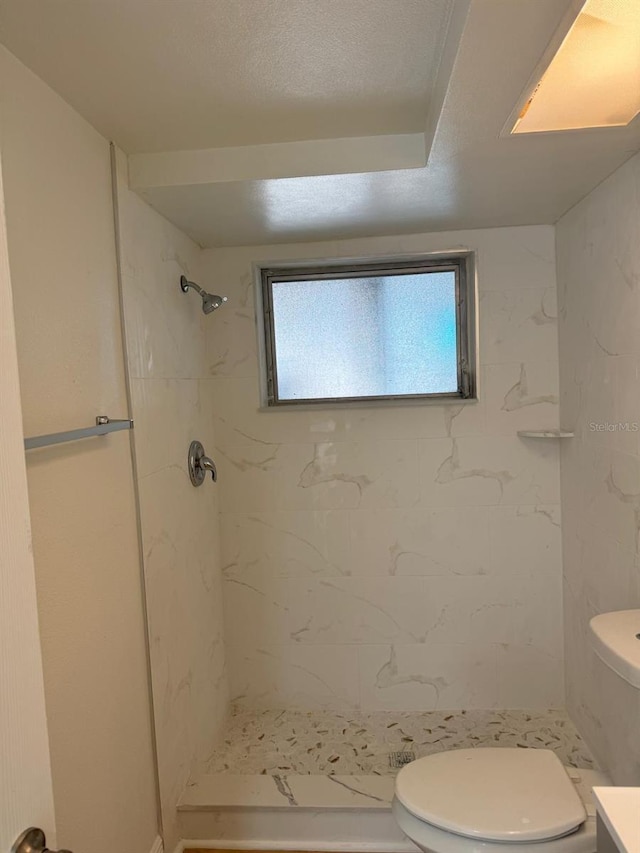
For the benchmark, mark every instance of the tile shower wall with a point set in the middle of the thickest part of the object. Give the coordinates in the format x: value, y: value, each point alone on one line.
x: 172, y: 405
x: 598, y: 244
x: 401, y: 557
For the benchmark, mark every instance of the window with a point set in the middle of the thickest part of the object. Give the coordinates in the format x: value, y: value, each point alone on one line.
x: 369, y: 331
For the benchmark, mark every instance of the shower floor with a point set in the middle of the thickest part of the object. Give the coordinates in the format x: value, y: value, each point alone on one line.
x: 328, y: 743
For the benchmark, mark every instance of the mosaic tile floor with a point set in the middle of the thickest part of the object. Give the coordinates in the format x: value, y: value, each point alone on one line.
x: 321, y: 742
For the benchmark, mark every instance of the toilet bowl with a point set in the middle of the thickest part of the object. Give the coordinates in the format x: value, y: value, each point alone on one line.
x: 488, y: 800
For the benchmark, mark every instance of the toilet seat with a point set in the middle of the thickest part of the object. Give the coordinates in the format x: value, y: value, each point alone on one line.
x: 433, y: 840
x: 492, y: 795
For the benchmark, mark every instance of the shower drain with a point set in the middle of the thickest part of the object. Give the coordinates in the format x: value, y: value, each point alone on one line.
x: 399, y: 759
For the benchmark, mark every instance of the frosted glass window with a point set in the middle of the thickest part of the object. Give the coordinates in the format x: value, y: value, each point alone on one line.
x: 360, y: 334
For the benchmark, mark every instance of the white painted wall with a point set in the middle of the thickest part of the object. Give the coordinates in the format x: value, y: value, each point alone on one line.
x: 439, y: 583
x: 25, y: 768
x: 173, y: 400
x: 598, y: 249
x: 61, y: 253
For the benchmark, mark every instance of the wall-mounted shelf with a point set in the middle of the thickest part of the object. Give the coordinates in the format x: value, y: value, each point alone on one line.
x: 544, y: 433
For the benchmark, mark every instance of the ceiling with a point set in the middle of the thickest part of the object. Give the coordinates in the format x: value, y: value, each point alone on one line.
x: 161, y: 75
x: 257, y: 121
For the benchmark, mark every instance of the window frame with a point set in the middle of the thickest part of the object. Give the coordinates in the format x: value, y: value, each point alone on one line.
x: 461, y: 262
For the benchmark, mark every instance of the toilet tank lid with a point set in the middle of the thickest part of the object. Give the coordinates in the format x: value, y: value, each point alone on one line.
x: 492, y: 794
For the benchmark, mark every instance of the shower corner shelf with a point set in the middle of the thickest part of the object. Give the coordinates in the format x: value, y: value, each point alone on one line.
x: 544, y: 433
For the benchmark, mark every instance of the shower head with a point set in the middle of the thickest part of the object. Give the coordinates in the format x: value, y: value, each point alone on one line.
x: 209, y: 300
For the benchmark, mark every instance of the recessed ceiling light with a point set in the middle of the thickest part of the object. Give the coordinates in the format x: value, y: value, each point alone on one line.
x: 594, y: 78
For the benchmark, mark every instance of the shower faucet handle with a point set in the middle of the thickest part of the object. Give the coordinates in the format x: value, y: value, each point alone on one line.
x: 199, y: 463
x: 208, y: 465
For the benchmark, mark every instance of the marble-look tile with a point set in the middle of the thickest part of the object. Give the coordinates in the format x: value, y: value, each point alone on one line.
x: 287, y: 544
x: 169, y: 414
x: 600, y: 558
x: 494, y: 609
x: 281, y: 789
x: 626, y: 377
x: 181, y: 550
x: 415, y: 525
x: 355, y: 743
x: 294, y: 676
x: 488, y: 470
x: 331, y: 475
x: 540, y: 621
x: 507, y: 258
x: 397, y: 422
x: 517, y: 258
x: 517, y: 326
x: 529, y: 676
x: 598, y: 255
x: 420, y: 542
x: 335, y: 828
x: 613, y: 502
x: 526, y: 540
x: 232, y: 349
x: 597, y: 408
x: 247, y: 791
x: 165, y: 336
x: 360, y: 610
x: 256, y: 608
x: 181, y: 585
x: 239, y: 418
x: 427, y: 677
x: 350, y: 475
x: 250, y: 476
x: 524, y: 395
x: 185, y: 623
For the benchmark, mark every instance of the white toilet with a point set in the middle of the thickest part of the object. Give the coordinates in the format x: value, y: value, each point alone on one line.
x: 488, y: 800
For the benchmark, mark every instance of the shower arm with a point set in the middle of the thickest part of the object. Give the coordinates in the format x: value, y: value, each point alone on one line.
x: 185, y: 285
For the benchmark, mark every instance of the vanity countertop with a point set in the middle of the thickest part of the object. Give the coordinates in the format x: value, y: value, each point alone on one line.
x: 619, y: 809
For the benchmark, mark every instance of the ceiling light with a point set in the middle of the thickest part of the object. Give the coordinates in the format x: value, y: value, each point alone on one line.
x: 594, y: 78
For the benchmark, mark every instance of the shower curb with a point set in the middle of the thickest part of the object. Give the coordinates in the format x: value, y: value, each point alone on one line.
x: 226, y: 790
x: 295, y: 812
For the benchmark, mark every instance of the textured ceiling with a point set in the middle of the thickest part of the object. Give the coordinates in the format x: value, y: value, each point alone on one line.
x: 160, y: 75
x: 476, y: 177
x: 221, y: 75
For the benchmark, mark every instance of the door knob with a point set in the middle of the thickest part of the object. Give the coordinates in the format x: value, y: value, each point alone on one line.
x: 33, y: 840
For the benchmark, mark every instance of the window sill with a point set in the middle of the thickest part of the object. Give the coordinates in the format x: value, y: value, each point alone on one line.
x: 369, y: 404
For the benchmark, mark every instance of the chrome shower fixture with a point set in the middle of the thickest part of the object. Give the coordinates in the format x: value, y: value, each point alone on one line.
x: 209, y: 300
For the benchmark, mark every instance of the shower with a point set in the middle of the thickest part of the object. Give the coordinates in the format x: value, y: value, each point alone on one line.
x: 209, y: 300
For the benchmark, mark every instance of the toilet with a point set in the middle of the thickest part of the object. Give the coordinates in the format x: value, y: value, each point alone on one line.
x: 496, y: 800
x: 501, y: 800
